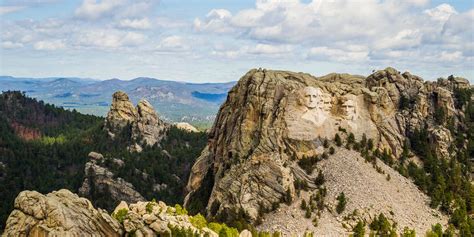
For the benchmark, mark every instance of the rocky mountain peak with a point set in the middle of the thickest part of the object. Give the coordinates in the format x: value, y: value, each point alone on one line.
x: 273, y: 119
x: 121, y: 113
x: 146, y: 127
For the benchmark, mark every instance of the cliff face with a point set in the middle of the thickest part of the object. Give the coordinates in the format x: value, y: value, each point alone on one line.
x: 272, y: 119
x: 100, y: 181
x: 145, y: 125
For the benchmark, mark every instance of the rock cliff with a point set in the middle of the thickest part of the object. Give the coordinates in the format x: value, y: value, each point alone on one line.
x: 145, y: 127
x: 272, y: 119
x: 100, y: 181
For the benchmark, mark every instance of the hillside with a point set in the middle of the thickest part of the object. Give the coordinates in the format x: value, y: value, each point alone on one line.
x: 45, y: 148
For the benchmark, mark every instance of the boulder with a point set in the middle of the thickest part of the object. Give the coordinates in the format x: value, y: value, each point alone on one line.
x: 60, y: 213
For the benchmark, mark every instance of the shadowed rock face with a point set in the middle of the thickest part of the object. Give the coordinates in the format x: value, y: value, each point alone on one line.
x: 105, y: 183
x: 274, y: 117
x: 60, y: 213
x: 146, y: 127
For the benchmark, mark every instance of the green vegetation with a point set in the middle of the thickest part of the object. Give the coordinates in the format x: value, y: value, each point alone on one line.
x: 359, y: 229
x: 62, y: 139
x: 120, y: 215
x: 382, y: 226
x: 341, y: 203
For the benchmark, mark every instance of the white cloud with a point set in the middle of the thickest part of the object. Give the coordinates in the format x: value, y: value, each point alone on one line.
x: 11, y: 45
x: 217, y: 20
x: 269, y: 49
x: 49, y: 45
x: 10, y: 9
x: 173, y: 44
x: 338, y: 54
x: 441, y: 12
x: 109, y: 39
x: 139, y: 24
x: 94, y: 9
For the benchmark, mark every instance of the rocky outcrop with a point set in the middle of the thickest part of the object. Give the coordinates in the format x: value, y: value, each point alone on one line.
x: 148, y: 128
x: 100, y: 180
x: 121, y: 113
x: 271, y: 119
x: 186, y: 127
x: 60, y: 213
x: 145, y: 126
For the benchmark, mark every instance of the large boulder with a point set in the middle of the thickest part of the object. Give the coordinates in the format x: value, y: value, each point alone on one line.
x: 60, y: 213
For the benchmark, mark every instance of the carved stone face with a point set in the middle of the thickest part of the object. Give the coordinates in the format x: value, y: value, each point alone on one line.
x: 325, y: 102
x: 349, y: 107
x: 312, y: 97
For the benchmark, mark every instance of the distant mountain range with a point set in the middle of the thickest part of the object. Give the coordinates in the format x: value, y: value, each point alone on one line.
x: 175, y: 101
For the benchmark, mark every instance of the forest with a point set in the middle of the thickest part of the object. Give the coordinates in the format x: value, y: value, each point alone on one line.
x: 55, y: 156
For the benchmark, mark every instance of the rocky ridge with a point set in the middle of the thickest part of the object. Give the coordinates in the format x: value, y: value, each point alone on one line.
x: 146, y: 127
x: 272, y: 119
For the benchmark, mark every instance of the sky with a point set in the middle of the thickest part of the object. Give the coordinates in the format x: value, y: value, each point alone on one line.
x: 220, y: 40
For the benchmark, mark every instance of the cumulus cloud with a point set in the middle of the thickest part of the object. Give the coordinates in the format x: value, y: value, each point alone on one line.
x: 11, y: 45
x: 385, y: 30
x: 49, y: 45
x: 139, y: 24
x: 10, y: 9
x: 173, y: 43
x: 109, y: 39
x: 94, y: 9
x: 338, y: 54
x: 441, y: 12
x: 117, y: 9
x: 217, y: 20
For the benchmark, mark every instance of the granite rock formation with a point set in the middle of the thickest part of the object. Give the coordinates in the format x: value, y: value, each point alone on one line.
x: 271, y: 119
x: 60, y: 213
x: 104, y: 182
x: 145, y: 126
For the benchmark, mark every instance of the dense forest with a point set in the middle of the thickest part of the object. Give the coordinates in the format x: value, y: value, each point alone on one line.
x: 45, y: 148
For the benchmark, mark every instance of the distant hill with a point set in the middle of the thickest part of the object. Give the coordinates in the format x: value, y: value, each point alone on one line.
x: 175, y: 101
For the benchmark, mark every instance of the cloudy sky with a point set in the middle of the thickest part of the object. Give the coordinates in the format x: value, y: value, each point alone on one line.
x: 217, y: 40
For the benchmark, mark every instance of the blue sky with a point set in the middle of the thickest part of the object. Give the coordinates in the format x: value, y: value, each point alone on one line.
x: 217, y: 41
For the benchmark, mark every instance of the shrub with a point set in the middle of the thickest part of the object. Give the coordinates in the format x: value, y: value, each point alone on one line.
x: 331, y: 150
x: 359, y: 229
x: 337, y: 139
x: 303, y: 205
x: 198, y: 221
x: 341, y: 205
x: 180, y: 210
x: 120, y: 215
x: 149, y: 206
x: 319, y: 179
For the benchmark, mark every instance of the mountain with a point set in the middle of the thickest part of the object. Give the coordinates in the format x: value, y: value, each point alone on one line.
x: 175, y: 101
x: 289, y: 153
x: 280, y: 134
